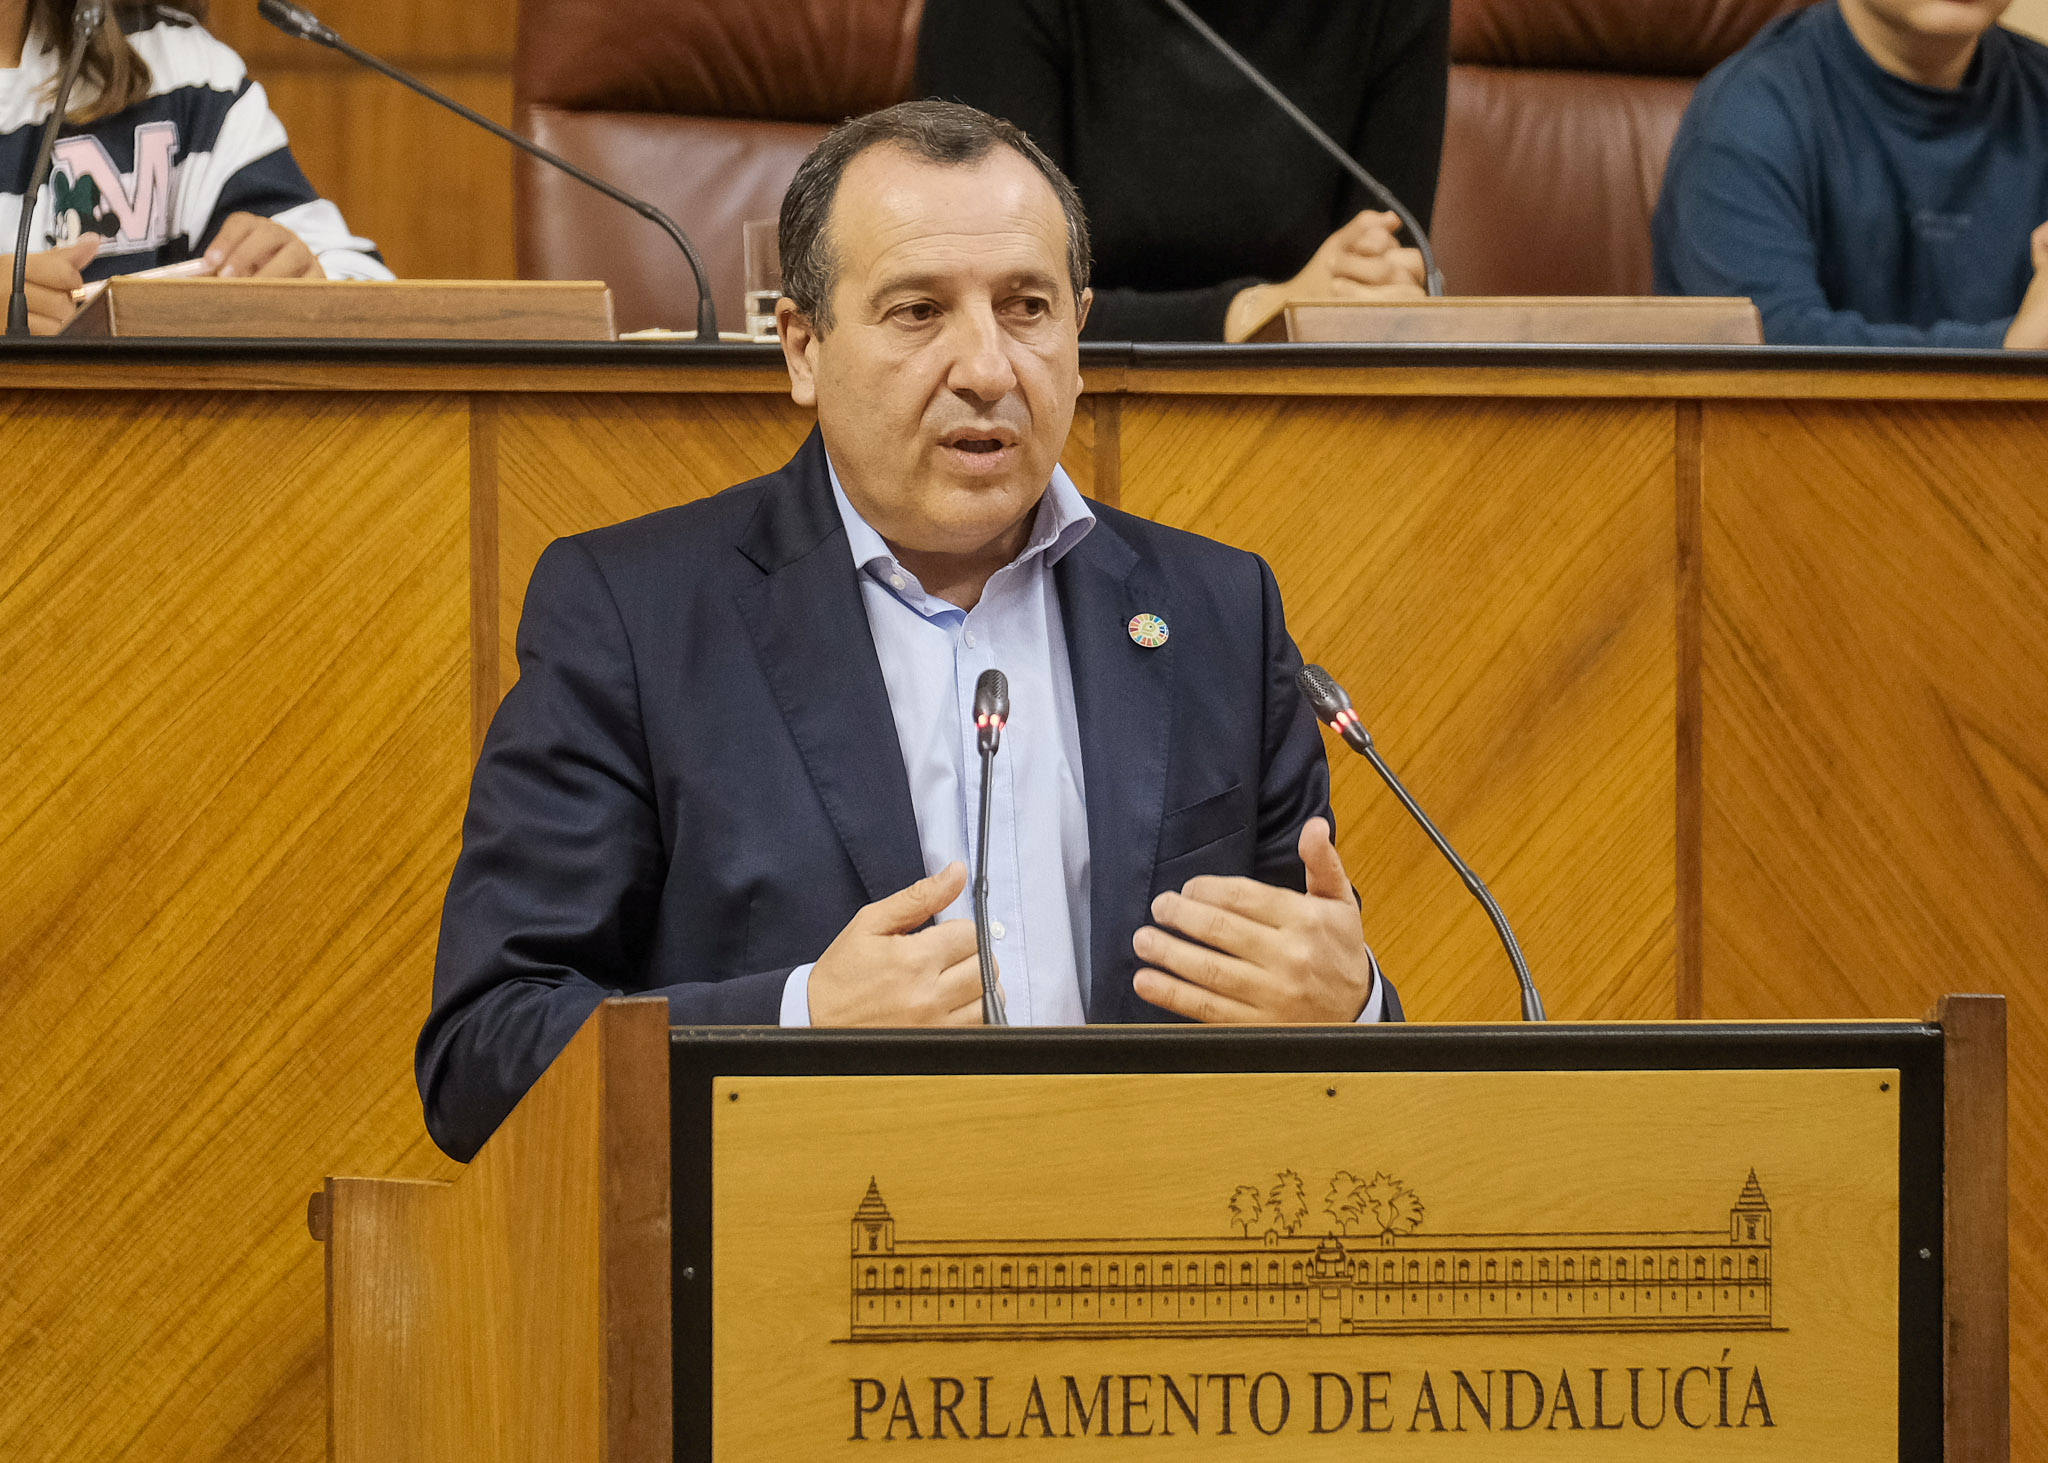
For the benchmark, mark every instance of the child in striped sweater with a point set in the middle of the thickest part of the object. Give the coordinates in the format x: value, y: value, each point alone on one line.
x: 170, y: 155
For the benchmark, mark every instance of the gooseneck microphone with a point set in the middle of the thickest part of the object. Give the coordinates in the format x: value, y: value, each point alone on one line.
x: 85, y: 20
x: 1433, y: 277
x: 296, y: 20
x: 991, y: 712
x: 1333, y: 707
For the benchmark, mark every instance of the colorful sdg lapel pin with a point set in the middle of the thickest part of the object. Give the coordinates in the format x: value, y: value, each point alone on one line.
x: 1148, y: 631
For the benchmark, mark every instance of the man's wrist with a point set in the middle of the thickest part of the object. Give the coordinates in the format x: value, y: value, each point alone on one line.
x: 796, y: 997
x: 1376, y: 1000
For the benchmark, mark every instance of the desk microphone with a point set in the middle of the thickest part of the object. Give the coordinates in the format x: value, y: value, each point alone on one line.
x: 84, y: 21
x: 991, y: 712
x: 296, y: 20
x: 1432, y: 276
x: 1333, y: 707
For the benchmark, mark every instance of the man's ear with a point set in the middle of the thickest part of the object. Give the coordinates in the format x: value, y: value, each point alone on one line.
x: 799, y: 351
x: 1081, y: 319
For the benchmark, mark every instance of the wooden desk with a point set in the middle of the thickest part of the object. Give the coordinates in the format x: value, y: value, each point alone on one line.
x: 1726, y: 668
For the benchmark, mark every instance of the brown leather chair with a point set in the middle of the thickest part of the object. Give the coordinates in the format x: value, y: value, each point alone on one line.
x: 1561, y: 115
x: 704, y: 108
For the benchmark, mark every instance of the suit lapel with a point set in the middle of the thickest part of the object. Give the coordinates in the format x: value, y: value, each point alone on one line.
x: 810, y: 631
x: 1123, y: 699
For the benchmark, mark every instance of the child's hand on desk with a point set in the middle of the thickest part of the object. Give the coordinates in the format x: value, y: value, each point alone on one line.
x: 2029, y: 330
x: 52, y: 276
x: 249, y: 246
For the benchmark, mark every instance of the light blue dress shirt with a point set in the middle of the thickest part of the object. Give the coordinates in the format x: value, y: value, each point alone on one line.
x: 932, y: 652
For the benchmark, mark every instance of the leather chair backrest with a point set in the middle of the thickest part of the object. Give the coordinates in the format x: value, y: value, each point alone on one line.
x: 704, y: 108
x: 1561, y: 115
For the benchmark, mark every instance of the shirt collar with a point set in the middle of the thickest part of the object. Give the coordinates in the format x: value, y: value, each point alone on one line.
x: 1062, y: 520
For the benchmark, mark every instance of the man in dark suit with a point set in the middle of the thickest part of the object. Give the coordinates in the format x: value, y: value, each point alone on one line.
x: 736, y: 768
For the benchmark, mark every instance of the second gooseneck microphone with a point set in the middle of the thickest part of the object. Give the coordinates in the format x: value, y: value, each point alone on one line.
x: 991, y: 712
x: 1432, y: 276
x: 296, y: 20
x: 85, y: 20
x: 1333, y: 707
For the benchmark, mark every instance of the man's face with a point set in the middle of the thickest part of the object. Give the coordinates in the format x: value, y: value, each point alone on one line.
x: 947, y: 381
x: 1943, y: 19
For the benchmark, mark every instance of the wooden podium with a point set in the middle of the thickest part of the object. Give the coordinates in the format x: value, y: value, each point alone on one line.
x: 1711, y: 1240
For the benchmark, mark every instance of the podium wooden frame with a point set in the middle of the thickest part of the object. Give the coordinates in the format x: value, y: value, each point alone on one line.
x: 524, y: 1311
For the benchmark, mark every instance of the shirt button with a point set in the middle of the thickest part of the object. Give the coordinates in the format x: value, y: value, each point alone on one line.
x: 995, y: 927
x: 895, y: 581
x: 970, y: 640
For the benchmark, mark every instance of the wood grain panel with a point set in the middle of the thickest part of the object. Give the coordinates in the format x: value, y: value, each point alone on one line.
x: 1875, y: 674
x: 2030, y: 17
x: 232, y: 755
x: 475, y: 32
x: 571, y: 463
x: 433, y: 191
x: 1534, y: 371
x: 1976, y: 1279
x: 522, y: 1311
x: 1034, y: 1179
x: 1496, y: 586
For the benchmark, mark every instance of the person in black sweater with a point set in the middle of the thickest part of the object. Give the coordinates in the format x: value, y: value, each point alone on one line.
x: 1209, y: 208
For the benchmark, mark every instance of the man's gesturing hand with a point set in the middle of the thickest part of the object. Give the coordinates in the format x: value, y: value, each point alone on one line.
x: 1271, y: 954
x: 883, y: 970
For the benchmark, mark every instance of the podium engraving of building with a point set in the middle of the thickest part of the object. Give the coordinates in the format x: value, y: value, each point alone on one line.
x: 1278, y: 1285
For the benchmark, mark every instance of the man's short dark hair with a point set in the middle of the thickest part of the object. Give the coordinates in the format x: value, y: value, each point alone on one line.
x: 939, y: 132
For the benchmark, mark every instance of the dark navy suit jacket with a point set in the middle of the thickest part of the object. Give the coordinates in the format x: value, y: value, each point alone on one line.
x: 696, y: 781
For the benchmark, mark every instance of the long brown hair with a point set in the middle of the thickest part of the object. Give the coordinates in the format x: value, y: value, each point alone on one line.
x: 113, y: 77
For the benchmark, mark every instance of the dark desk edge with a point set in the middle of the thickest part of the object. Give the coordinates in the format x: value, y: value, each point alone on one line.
x: 1104, y: 355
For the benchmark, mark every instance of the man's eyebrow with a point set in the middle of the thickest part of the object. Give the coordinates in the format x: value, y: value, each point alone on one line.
x: 904, y: 284
x: 914, y: 284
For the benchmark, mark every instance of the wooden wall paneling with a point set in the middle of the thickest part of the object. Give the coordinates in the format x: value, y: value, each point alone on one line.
x: 484, y: 609
x: 1875, y: 674
x: 233, y: 646
x: 1495, y: 584
x: 1079, y: 457
x: 2029, y: 17
x: 472, y: 33
x: 1976, y: 1207
x: 571, y: 463
x: 1094, y: 456
x: 432, y: 191
x: 1688, y: 486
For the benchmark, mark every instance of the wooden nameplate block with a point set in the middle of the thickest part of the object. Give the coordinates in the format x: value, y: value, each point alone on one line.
x: 301, y: 309
x: 1522, y: 319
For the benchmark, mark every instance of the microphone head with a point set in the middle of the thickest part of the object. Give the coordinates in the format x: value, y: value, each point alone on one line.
x: 295, y: 20
x: 991, y: 708
x: 86, y: 19
x: 992, y: 696
x: 1323, y: 692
